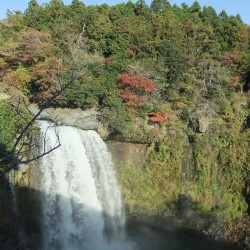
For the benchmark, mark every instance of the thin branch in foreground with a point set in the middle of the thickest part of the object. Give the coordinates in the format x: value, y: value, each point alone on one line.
x: 40, y: 156
x: 15, y: 152
x: 15, y: 155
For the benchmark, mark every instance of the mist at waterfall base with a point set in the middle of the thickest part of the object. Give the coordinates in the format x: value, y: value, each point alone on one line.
x: 74, y: 202
x: 81, y: 205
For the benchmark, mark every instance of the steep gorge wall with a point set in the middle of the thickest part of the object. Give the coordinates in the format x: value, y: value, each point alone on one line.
x: 122, y: 152
x: 127, y: 152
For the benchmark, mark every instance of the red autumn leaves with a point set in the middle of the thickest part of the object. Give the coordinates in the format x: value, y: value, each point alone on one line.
x: 155, y: 117
x: 134, y: 89
x: 135, y: 92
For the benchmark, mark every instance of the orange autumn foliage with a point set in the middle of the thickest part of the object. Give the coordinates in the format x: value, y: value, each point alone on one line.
x: 139, y: 82
x: 134, y: 90
x: 157, y: 118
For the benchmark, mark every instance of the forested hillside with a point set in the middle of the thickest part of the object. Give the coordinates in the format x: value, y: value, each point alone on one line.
x: 176, y: 78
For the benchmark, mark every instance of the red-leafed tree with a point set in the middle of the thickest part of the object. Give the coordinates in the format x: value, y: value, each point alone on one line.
x: 44, y: 78
x: 30, y: 65
x: 231, y: 59
x: 134, y: 90
x: 158, y: 118
x: 34, y: 46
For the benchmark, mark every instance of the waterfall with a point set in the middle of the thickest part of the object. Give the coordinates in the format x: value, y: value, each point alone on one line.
x: 81, y: 202
x: 12, y: 188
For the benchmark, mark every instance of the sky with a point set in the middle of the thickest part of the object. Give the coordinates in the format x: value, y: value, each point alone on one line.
x: 232, y: 7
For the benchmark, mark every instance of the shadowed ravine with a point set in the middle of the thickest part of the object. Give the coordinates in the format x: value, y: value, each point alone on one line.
x: 74, y: 202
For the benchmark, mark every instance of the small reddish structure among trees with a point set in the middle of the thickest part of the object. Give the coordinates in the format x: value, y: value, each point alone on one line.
x: 134, y: 90
x: 158, y: 118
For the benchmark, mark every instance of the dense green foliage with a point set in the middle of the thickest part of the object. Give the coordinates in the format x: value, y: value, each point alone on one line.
x: 8, y: 124
x: 11, y: 124
x: 200, y: 64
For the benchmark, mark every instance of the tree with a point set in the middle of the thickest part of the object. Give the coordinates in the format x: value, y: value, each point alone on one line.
x: 121, y: 10
x: 44, y: 82
x: 18, y: 78
x: 41, y: 73
x: 100, y: 29
x: 134, y: 90
x: 184, y: 7
x: 238, y: 18
x: 223, y: 15
x: 16, y: 155
x: 141, y: 7
x: 34, y: 15
x: 55, y: 15
x: 31, y: 66
x: 173, y: 61
x: 159, y: 6
x: 34, y: 46
x: 77, y: 6
x: 233, y: 62
x: 76, y: 15
x: 195, y: 8
x: 209, y: 15
x: 158, y: 118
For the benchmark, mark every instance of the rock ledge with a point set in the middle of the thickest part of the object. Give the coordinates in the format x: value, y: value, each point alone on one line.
x: 86, y: 120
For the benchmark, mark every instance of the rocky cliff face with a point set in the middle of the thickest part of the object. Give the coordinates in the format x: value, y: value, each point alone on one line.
x: 86, y: 120
x: 122, y: 152
x: 127, y: 152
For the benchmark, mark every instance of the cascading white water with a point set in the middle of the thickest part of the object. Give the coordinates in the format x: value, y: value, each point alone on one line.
x: 82, y: 206
x: 12, y: 188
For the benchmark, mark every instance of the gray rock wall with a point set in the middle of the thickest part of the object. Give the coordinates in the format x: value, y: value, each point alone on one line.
x: 122, y: 152
x: 86, y: 120
x: 126, y: 152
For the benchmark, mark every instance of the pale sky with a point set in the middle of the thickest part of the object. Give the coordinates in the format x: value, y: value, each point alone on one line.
x: 232, y: 7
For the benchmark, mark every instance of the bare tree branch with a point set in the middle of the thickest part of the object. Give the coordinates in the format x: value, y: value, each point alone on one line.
x: 20, y: 140
x: 41, y: 155
x: 78, y: 61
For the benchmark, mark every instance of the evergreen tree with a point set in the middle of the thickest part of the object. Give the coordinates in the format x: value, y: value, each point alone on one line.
x: 209, y: 15
x: 173, y: 60
x: 223, y: 15
x: 34, y: 15
x: 141, y: 7
x: 159, y: 5
x: 195, y: 7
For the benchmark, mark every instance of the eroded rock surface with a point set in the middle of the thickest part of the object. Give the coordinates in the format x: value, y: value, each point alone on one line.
x: 127, y: 152
x: 86, y: 119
